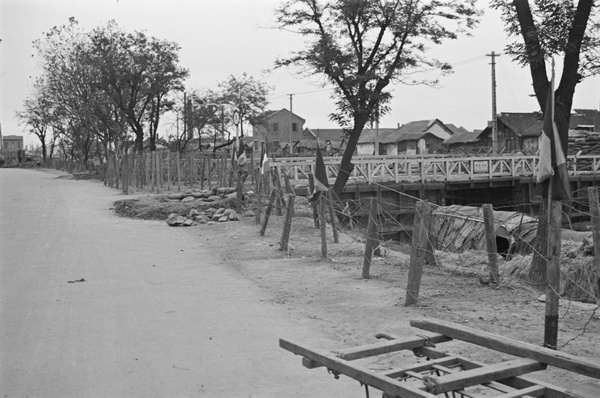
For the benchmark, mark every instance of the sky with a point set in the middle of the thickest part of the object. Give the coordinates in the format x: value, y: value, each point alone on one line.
x: 221, y: 38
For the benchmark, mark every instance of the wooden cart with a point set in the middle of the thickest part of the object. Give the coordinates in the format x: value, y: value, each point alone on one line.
x: 450, y: 374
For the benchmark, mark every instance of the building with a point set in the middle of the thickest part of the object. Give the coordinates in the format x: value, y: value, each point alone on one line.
x: 12, y: 143
x: 414, y: 138
x: 11, y: 149
x: 332, y: 141
x: 467, y: 142
x: 277, y: 129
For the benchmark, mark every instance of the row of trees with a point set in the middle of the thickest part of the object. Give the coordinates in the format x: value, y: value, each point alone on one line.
x: 108, y: 90
x: 97, y: 86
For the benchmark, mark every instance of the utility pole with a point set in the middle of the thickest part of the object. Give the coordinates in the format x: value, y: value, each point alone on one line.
x: 493, y: 55
x: 291, y: 143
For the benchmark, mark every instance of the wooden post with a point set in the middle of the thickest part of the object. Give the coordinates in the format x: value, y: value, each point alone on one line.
x: 252, y: 166
x: 430, y: 258
x: 311, y: 187
x: 240, y: 185
x: 203, y: 173
x: 280, y: 203
x: 157, y: 171
x: 191, y: 166
x: 169, y: 170
x: 288, y: 184
x: 125, y: 173
x: 372, y: 241
x: 287, y: 225
x: 178, y: 160
x: 417, y: 255
x: 258, y: 196
x: 323, y: 224
x: 595, y: 216
x: 159, y: 163
x: 490, y: 240
x: 553, y: 275
x: 333, y: 217
x: 268, y: 211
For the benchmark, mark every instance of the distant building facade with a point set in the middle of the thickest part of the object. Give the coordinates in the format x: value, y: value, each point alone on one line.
x: 276, y: 129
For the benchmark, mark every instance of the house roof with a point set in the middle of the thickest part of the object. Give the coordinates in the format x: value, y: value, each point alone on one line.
x: 523, y: 124
x: 456, y: 130
x: 416, y: 136
x: 269, y: 113
x: 464, y: 137
x: 327, y: 134
x: 370, y: 135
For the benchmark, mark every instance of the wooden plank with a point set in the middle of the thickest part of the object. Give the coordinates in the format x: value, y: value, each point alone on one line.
x: 510, y: 346
x: 486, y: 374
x: 492, y: 384
x: 533, y: 391
x: 397, y: 344
x: 357, y: 372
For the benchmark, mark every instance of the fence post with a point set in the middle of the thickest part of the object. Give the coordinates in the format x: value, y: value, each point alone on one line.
x: 287, y: 225
x: 417, y: 255
x: 169, y: 170
x: 372, y: 240
x: 553, y: 275
x: 490, y: 240
x: 323, y: 225
x: 311, y: 187
x: 178, y: 160
x: 332, y: 216
x: 258, y: 195
x: 268, y: 211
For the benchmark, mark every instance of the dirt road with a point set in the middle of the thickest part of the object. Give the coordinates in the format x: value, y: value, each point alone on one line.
x: 93, y: 305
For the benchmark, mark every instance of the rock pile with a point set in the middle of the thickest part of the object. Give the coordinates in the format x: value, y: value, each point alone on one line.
x: 207, y: 216
x: 204, y: 195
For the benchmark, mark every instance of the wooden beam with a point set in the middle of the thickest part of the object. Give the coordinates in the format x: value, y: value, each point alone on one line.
x: 399, y: 344
x: 498, y: 371
x: 510, y: 346
x: 533, y: 391
x: 357, y: 372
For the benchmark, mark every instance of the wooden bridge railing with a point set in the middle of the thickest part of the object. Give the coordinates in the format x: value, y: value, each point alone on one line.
x: 432, y: 168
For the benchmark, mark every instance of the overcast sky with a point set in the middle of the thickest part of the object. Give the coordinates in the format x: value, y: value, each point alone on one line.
x: 219, y: 38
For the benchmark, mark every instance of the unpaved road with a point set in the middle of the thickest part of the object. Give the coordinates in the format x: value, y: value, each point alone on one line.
x: 158, y: 315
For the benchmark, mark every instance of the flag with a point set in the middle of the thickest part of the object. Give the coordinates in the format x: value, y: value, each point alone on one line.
x: 320, y: 174
x: 264, y: 159
x: 241, y: 152
x: 552, y: 156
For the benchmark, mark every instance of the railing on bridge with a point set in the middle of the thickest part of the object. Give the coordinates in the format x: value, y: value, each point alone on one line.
x: 432, y: 168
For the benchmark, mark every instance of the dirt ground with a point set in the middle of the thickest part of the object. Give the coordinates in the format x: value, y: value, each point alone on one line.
x: 352, y: 310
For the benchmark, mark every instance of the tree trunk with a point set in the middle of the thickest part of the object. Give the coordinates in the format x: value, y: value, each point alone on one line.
x: 346, y: 167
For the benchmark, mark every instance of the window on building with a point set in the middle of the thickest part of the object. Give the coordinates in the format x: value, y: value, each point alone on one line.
x: 294, y: 126
x: 275, y: 126
x: 275, y: 146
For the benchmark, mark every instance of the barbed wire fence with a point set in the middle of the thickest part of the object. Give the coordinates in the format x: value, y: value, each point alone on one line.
x: 579, y: 274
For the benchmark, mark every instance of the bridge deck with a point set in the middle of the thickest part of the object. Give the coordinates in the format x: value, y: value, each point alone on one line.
x: 398, y: 169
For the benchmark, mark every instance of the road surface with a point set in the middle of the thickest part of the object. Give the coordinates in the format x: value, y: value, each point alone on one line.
x: 94, y: 305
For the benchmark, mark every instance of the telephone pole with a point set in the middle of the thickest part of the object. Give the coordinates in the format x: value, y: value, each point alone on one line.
x: 291, y: 147
x: 493, y: 55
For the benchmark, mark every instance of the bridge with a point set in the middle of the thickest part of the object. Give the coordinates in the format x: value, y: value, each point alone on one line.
x: 432, y: 168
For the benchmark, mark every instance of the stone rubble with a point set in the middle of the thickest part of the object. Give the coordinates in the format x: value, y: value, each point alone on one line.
x: 211, y: 215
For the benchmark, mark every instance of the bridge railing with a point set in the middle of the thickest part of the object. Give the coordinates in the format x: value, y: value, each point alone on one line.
x: 431, y: 168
